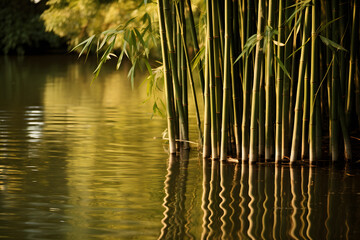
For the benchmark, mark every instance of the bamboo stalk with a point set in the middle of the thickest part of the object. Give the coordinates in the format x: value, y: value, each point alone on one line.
x: 196, y: 44
x: 261, y: 106
x: 305, y: 120
x: 246, y: 95
x: 235, y: 79
x: 255, y: 96
x: 214, y: 142
x: 357, y: 89
x: 352, y: 66
x: 177, y: 88
x: 268, y: 85
x: 287, y: 105
x: 313, y: 85
x: 300, y: 91
x: 182, y: 69
x: 345, y: 132
x: 329, y: 58
x: 167, y: 82
x: 227, y: 76
x: 279, y: 88
x: 187, y: 61
x: 207, y: 119
x: 217, y: 61
x: 220, y: 15
x: 334, y: 144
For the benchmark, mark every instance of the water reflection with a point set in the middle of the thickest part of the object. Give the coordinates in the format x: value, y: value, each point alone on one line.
x: 175, y: 221
x: 263, y: 202
x: 70, y: 153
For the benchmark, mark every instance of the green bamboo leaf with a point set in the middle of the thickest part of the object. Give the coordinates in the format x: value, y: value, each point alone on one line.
x: 327, y: 72
x: 102, y: 43
x: 108, y: 34
x: 282, y: 66
x: 131, y: 73
x: 96, y: 72
x: 196, y: 60
x: 103, y: 59
x: 129, y: 21
x: 323, y: 27
x: 331, y: 44
x: 299, y: 3
x: 121, y: 55
x: 87, y: 42
x: 140, y: 37
x: 149, y: 68
x: 132, y: 42
x: 302, y: 4
x: 249, y: 46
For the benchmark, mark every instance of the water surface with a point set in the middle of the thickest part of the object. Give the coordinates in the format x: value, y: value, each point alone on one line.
x: 84, y: 161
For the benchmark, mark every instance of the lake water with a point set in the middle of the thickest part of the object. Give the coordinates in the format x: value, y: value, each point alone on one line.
x: 86, y: 161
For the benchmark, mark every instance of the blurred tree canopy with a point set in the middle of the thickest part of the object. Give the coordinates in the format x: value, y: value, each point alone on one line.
x: 79, y: 19
x: 22, y: 30
x: 39, y: 25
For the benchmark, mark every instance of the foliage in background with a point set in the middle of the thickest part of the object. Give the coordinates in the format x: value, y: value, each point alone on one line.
x: 79, y: 19
x: 22, y: 30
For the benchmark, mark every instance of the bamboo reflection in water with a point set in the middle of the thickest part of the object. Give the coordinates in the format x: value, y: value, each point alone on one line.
x: 175, y: 221
x: 310, y: 202
x: 268, y: 203
x: 205, y: 198
x: 252, y: 194
x: 185, y: 211
x: 295, y: 182
x: 259, y: 201
x: 333, y: 226
x: 303, y: 202
x: 214, y: 202
x: 227, y: 172
x: 235, y: 203
x: 321, y: 191
x: 352, y: 206
x: 277, y: 201
x: 286, y: 208
x: 244, y: 222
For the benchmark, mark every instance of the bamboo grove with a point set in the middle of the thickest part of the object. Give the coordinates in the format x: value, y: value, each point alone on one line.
x: 279, y: 79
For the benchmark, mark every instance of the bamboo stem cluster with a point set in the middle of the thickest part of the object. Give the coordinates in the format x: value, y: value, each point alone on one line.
x: 277, y: 90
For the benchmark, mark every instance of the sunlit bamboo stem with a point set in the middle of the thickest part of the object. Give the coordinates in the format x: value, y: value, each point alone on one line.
x: 300, y: 91
x: 313, y: 84
x: 334, y: 93
x: 187, y: 60
x: 167, y: 81
x: 253, y: 153
x: 279, y: 88
x: 268, y: 84
x: 196, y: 44
x: 227, y: 76
x: 207, y: 119
x: 214, y: 136
x: 174, y: 71
x: 352, y: 66
x: 246, y: 95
